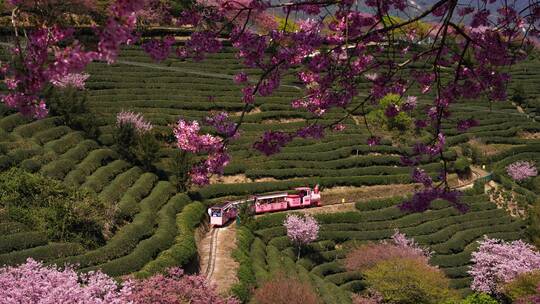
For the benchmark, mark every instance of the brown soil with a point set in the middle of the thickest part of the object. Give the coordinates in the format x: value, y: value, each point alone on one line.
x: 230, y: 179
x: 223, y: 274
x: 281, y: 121
x: 489, y: 149
x: 529, y: 135
x: 254, y: 111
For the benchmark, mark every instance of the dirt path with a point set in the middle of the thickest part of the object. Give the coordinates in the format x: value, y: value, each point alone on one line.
x: 216, y: 262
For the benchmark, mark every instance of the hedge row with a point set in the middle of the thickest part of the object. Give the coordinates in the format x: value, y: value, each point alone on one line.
x: 63, y: 144
x: 58, y: 168
x: 29, y: 129
x: 302, y: 172
x: 184, y: 248
x: 128, y: 237
x: 90, y: 164
x: 114, y: 191
x: 129, y: 203
x: 12, y: 121
x: 51, y: 134
x: 149, y: 248
x: 43, y: 253
x: 22, y: 240
x: 220, y: 190
x: 103, y: 175
x: 245, y: 274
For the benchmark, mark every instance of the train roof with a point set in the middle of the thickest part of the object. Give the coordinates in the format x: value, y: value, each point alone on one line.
x: 220, y: 205
x: 269, y: 196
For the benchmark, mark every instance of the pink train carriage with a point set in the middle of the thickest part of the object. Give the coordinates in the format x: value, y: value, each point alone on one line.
x: 301, y: 198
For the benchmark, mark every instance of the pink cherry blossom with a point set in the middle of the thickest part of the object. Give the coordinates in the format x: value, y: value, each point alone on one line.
x: 301, y: 230
x: 496, y: 262
x: 521, y: 170
x: 33, y: 282
x: 136, y: 120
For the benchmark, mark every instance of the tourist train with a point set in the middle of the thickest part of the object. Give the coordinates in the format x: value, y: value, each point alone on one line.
x: 301, y: 197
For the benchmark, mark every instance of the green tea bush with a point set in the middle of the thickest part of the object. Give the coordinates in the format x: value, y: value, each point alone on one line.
x: 128, y: 205
x: 113, y: 192
x: 22, y: 240
x: 43, y: 253
x: 245, y: 274
x: 103, y: 175
x: 127, y: 237
x: 90, y: 164
x: 147, y: 249
x: 184, y: 248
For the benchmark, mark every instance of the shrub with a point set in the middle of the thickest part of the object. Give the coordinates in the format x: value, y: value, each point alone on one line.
x: 522, y: 286
x: 408, y: 281
x: 462, y: 166
x: 282, y: 289
x: 368, y: 255
x: 63, y: 213
x: 146, y: 150
x: 71, y: 106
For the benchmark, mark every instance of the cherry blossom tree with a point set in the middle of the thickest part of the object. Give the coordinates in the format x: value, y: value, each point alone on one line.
x: 301, y: 230
x: 496, y: 262
x: 134, y: 120
x: 521, y: 170
x: 33, y: 282
x: 333, y: 46
x: 176, y: 287
x: 399, y: 246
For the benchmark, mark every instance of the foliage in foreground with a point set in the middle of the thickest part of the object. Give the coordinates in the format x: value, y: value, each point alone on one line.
x: 63, y: 213
x: 34, y: 282
x: 409, y: 281
x: 282, y: 289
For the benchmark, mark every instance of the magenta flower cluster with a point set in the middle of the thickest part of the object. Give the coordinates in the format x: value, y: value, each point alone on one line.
x: 52, y: 55
x: 188, y: 139
x: 136, y: 120
x: 496, y: 262
x: 301, y: 230
x: 521, y: 170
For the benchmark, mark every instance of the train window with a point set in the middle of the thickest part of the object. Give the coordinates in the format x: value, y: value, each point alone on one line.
x: 216, y: 212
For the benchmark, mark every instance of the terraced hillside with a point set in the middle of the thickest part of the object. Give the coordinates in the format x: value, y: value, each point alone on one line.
x: 165, y: 92
x: 451, y: 235
x: 152, y: 209
x: 159, y: 223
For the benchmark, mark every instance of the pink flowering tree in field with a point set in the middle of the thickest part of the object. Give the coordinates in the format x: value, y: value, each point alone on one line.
x: 521, y: 170
x: 301, y: 230
x: 33, y: 282
x: 400, y: 240
x: 134, y: 120
x: 333, y: 47
x: 176, y: 287
x: 496, y: 262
